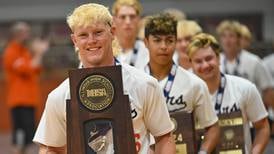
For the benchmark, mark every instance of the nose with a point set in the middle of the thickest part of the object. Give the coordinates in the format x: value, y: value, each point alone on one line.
x: 163, y: 45
x: 204, y: 65
x: 128, y: 20
x: 92, y: 38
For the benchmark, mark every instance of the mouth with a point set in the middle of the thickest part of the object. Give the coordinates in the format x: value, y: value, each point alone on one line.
x: 93, y: 49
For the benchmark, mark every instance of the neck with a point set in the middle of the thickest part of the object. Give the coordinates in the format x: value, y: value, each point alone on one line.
x: 127, y: 43
x: 184, y: 62
x: 108, y: 62
x: 159, y: 71
x: 214, y: 83
x: 231, y: 55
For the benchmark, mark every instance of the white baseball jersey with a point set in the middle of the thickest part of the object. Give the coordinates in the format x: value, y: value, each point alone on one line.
x: 269, y: 63
x: 137, y: 57
x: 189, y: 93
x: 248, y: 66
x: 241, y: 94
x: 148, y: 109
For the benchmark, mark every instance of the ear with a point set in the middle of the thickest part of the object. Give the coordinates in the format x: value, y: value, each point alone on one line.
x: 72, y: 36
x: 112, y: 31
x: 146, y: 41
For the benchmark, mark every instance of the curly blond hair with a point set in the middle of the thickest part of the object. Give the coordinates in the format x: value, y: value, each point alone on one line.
x: 187, y: 28
x: 230, y: 25
x: 203, y: 40
x: 132, y: 3
x: 87, y: 14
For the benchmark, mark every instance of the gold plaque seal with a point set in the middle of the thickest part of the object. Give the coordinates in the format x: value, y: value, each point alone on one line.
x: 96, y: 92
x: 229, y: 134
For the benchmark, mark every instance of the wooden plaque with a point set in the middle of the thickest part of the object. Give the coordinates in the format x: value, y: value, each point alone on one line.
x: 232, y: 134
x: 98, y: 114
x: 184, y: 132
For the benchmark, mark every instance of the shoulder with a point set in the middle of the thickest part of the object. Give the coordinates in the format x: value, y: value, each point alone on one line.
x: 136, y: 77
x: 269, y: 59
x: 190, y: 78
x: 248, y: 56
x: 239, y: 82
x: 59, y: 94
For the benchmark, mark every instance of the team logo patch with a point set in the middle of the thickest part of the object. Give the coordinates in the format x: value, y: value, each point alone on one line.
x: 96, y: 92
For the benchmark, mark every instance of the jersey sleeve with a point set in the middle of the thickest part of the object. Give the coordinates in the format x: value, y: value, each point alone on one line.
x: 203, y: 109
x: 156, y: 115
x: 51, y: 130
x: 263, y: 77
x: 255, y: 108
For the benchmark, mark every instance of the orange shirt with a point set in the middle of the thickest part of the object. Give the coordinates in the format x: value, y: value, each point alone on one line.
x: 22, y: 79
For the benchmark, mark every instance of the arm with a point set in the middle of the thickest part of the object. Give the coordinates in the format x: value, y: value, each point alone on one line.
x: 262, y: 136
x: 165, y: 144
x: 52, y: 150
x: 212, y: 135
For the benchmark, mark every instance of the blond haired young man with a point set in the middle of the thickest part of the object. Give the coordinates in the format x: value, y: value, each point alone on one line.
x: 230, y: 93
x: 126, y: 20
x: 92, y: 34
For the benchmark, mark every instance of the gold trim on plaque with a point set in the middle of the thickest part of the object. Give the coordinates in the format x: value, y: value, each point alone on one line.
x: 181, y: 149
x: 96, y: 92
x: 231, y: 152
x: 230, y: 122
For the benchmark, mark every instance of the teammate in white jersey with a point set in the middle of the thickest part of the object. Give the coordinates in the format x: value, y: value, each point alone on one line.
x: 239, y: 62
x: 92, y: 34
x: 183, y: 90
x: 126, y: 21
x: 230, y: 93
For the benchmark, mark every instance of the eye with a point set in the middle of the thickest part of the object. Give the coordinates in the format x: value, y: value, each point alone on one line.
x: 170, y: 41
x: 82, y: 35
x: 99, y: 32
x: 197, y: 61
x: 208, y: 58
x: 156, y: 40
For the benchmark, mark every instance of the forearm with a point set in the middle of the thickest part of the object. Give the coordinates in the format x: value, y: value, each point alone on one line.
x: 52, y: 150
x: 211, y: 138
x: 165, y: 144
x: 261, y: 138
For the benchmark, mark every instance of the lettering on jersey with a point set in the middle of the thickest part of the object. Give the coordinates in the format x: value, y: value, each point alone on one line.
x: 228, y: 109
x: 178, y: 101
x: 133, y: 113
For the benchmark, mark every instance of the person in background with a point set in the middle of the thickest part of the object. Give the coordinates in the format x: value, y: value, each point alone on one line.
x: 246, y: 37
x: 237, y: 61
x: 183, y: 90
x: 126, y: 17
x: 176, y: 13
x: 186, y: 29
x: 92, y: 34
x: 230, y: 93
x: 22, y: 66
x: 268, y: 62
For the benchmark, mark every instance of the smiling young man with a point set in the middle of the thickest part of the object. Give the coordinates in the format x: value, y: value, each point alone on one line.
x: 92, y: 34
x: 126, y: 20
x: 183, y: 90
x: 230, y: 93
